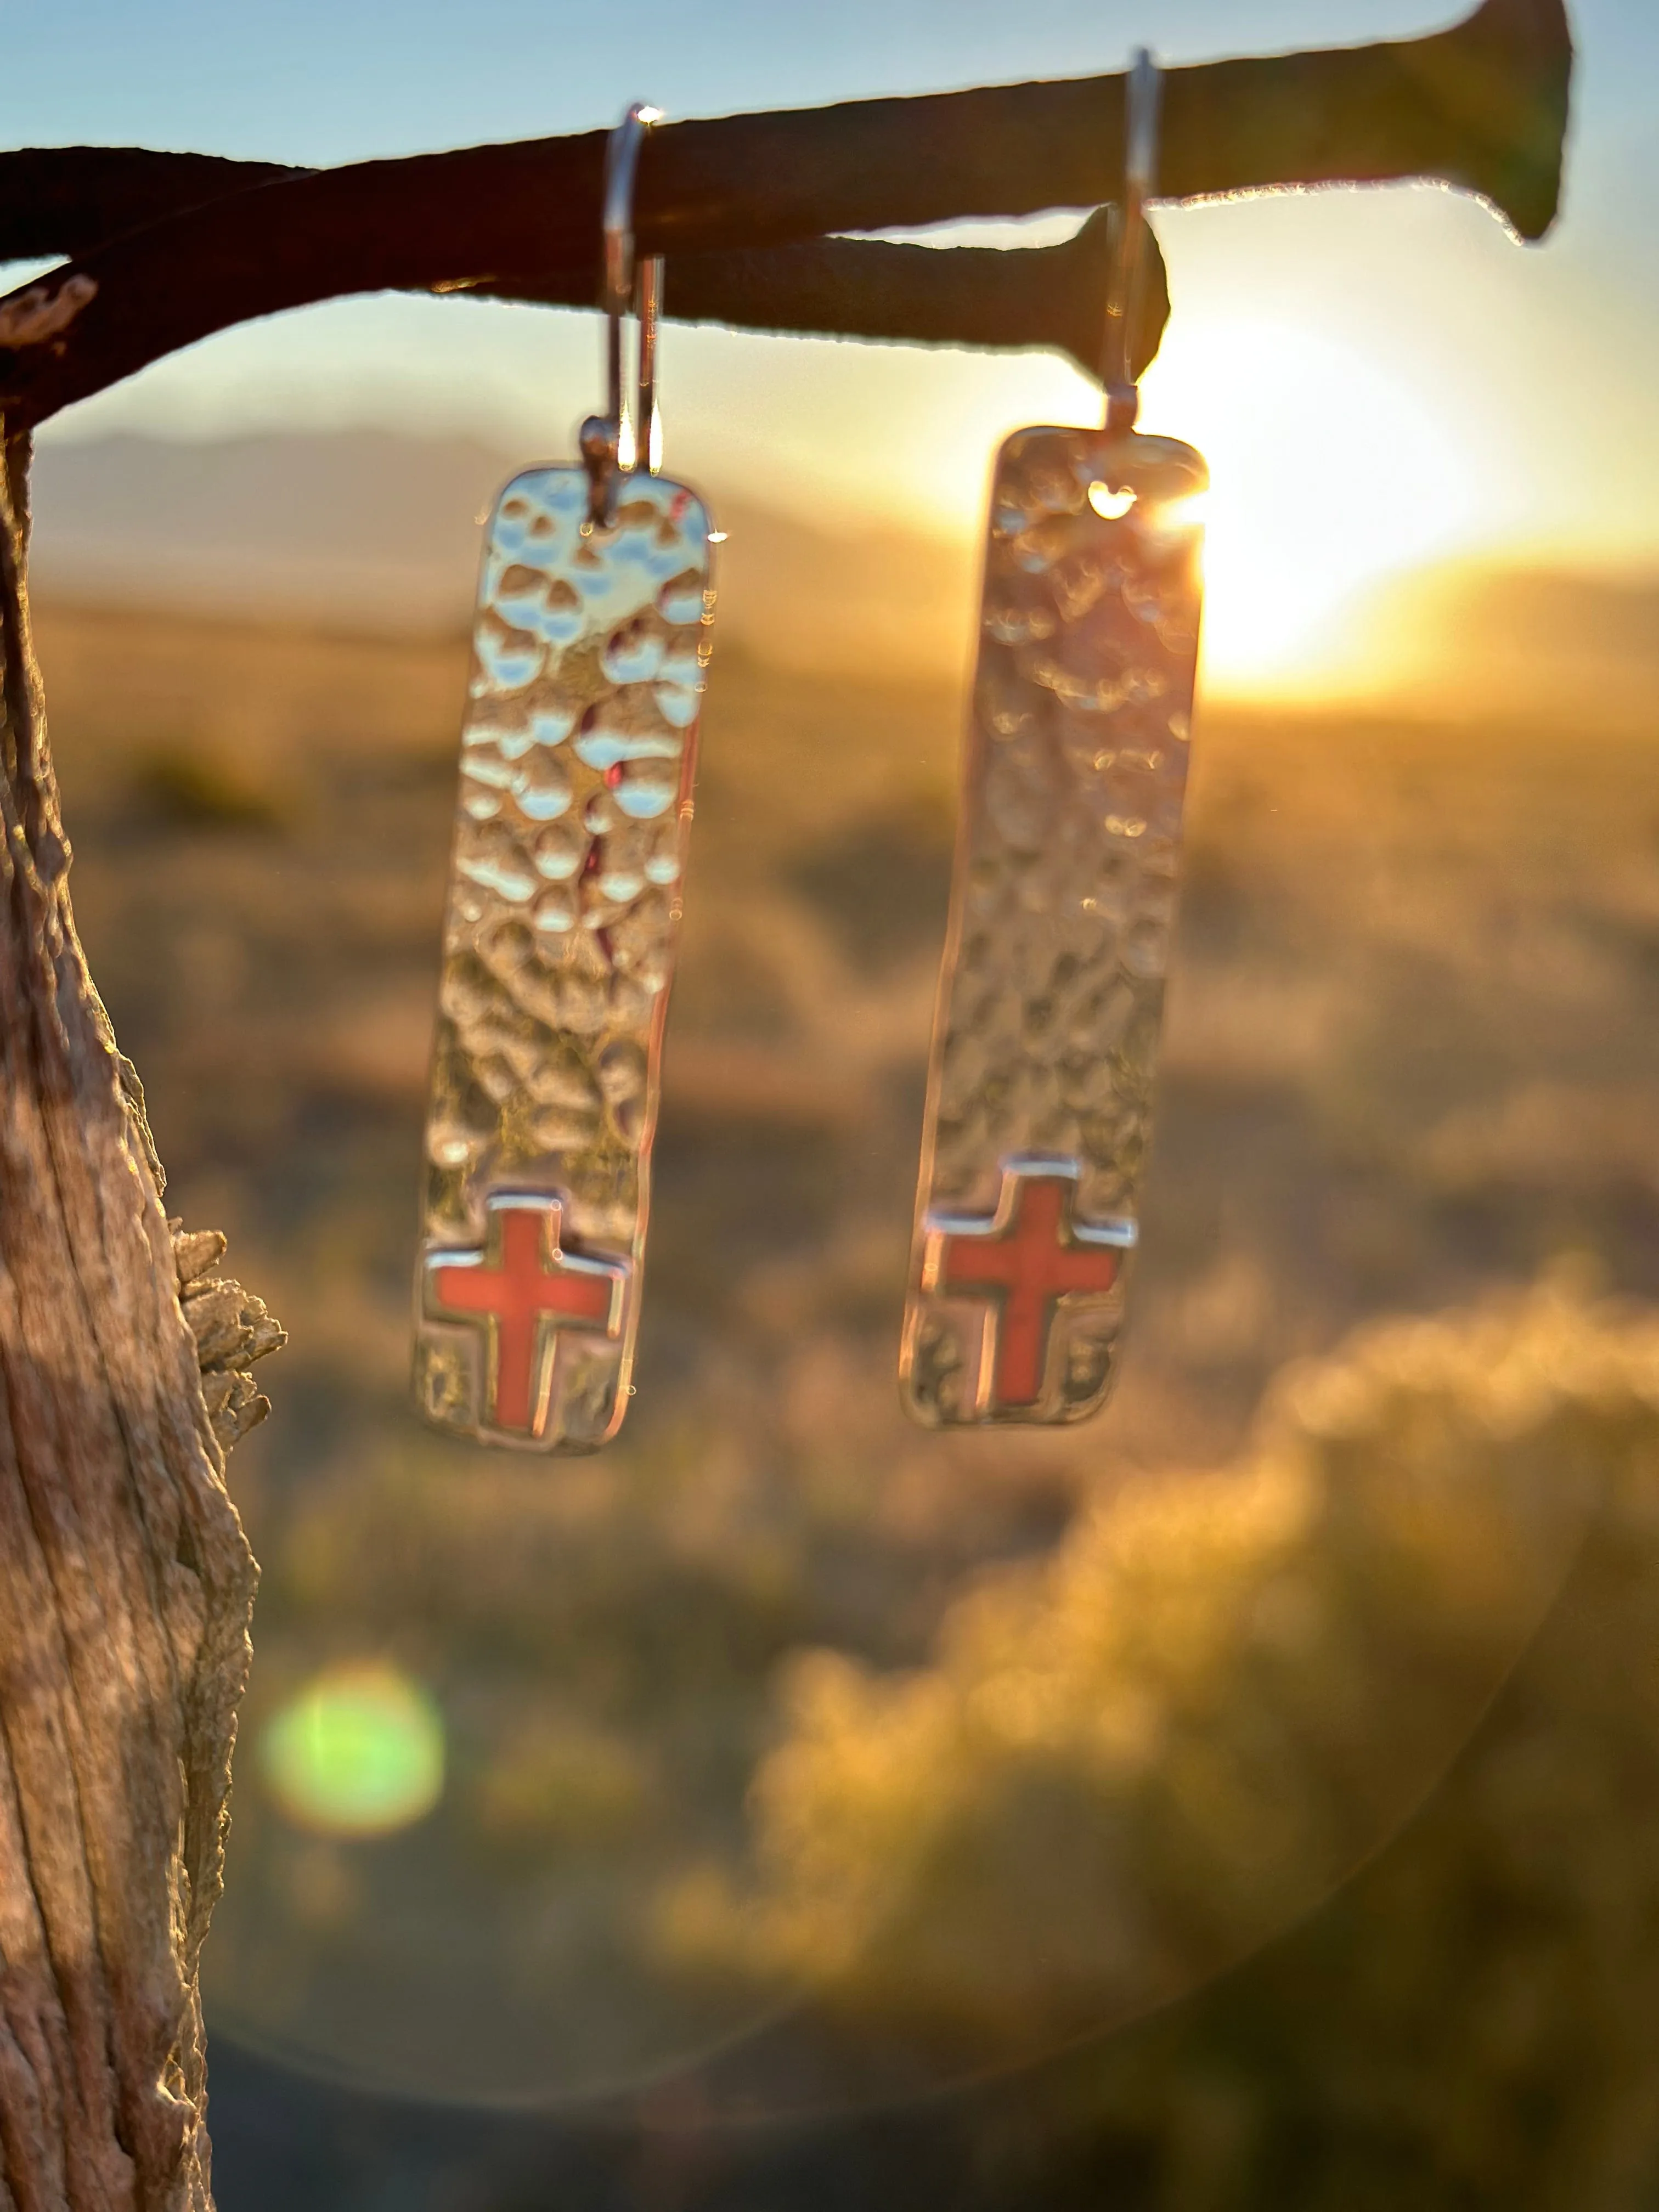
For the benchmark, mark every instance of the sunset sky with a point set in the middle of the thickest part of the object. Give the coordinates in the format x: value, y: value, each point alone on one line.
x: 1379, y: 379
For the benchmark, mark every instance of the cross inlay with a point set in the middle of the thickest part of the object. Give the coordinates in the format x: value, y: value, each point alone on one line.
x: 521, y: 1288
x: 1024, y: 1258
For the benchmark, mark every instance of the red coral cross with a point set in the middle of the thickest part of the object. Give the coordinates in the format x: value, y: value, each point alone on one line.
x: 1024, y: 1258
x: 521, y: 1287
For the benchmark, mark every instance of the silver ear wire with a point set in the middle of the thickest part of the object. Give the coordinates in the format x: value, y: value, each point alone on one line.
x: 602, y: 435
x: 1143, y: 103
x: 649, y: 435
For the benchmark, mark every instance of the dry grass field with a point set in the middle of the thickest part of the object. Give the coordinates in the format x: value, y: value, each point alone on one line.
x: 1411, y: 1060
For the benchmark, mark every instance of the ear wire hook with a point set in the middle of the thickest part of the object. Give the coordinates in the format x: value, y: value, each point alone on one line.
x: 1143, y: 104
x: 649, y: 436
x: 604, y: 447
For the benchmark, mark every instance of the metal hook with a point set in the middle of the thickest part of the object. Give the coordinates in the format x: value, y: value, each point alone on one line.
x: 602, y: 435
x: 1143, y: 103
x: 648, y: 436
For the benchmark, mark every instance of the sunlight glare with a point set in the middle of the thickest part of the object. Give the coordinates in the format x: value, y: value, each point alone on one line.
x: 1328, y: 477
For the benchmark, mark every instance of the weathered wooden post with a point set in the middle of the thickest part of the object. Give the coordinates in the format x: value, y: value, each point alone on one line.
x: 125, y: 1581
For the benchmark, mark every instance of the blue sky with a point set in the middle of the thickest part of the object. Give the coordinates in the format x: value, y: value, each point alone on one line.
x: 1307, y: 328
x: 338, y: 80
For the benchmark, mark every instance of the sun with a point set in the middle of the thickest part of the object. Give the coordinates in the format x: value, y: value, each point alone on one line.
x: 1328, y: 477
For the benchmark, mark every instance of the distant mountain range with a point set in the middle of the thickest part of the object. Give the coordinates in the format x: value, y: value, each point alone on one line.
x: 1521, y: 641
x: 369, y: 529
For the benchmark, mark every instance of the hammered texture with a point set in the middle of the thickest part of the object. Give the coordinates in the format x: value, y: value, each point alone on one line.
x: 577, y: 758
x: 1064, y: 889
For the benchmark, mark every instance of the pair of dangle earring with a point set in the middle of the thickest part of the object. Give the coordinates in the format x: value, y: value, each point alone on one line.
x: 1063, y: 898
x: 590, y: 645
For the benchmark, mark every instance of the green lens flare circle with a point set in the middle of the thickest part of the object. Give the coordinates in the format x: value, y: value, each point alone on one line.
x: 359, y: 1752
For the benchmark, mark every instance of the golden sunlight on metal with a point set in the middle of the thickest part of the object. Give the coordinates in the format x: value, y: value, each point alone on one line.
x: 1111, y: 506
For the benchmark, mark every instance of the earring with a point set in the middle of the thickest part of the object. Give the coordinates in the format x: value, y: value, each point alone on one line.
x: 1064, y: 895
x: 590, y: 645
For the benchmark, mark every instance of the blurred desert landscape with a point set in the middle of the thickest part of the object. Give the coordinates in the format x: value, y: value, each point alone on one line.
x: 796, y: 1761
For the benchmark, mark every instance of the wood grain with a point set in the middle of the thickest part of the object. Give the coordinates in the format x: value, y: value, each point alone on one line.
x: 126, y: 1582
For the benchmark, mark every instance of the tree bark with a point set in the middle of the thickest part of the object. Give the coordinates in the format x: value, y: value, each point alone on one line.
x: 126, y: 1582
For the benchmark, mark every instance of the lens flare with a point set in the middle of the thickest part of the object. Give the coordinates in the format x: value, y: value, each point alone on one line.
x: 359, y: 1752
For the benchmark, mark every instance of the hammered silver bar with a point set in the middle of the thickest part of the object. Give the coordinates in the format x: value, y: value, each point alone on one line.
x: 590, y: 647
x: 1062, y: 906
